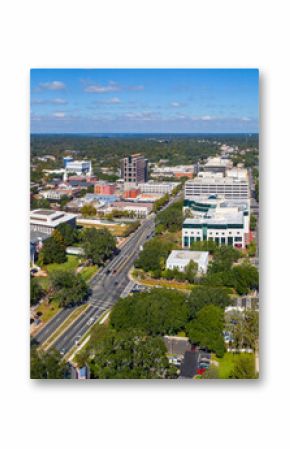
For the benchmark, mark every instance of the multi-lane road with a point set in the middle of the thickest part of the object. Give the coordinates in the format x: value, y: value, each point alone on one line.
x: 106, y: 288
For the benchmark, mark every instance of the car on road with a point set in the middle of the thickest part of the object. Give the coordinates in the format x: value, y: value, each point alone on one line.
x: 108, y: 272
x: 116, y: 282
x: 90, y: 321
x: 77, y: 340
x: 62, y: 351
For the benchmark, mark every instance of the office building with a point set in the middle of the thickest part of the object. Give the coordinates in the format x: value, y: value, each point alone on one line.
x: 179, y: 259
x: 78, y: 167
x: 134, y: 169
x: 225, y: 227
x: 223, y: 187
x: 157, y: 187
x: 46, y: 220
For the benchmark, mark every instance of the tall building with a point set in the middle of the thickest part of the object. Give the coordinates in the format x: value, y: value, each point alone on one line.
x: 134, y: 169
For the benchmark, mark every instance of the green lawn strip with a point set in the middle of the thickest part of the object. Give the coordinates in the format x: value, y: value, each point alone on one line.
x: 88, y: 272
x: 71, y: 318
x: 97, y: 323
x: 48, y: 310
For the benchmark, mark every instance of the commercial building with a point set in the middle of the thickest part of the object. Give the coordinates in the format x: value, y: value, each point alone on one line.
x: 180, y: 259
x: 134, y: 169
x: 217, y: 165
x: 140, y: 210
x: 223, y: 187
x: 225, y: 227
x: 46, y: 220
x: 179, y: 171
x: 78, y: 167
x: 66, y: 160
x: 157, y: 187
x: 104, y: 188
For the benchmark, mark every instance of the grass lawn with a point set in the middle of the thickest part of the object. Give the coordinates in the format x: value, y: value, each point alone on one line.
x: 71, y: 264
x: 226, y: 364
x: 48, y: 310
x: 88, y: 272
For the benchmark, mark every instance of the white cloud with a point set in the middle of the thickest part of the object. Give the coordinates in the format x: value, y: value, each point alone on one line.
x: 138, y: 87
x: 245, y: 119
x: 114, y: 100
x: 175, y: 104
x: 59, y: 114
x: 206, y: 117
x: 51, y: 101
x: 99, y: 89
x: 58, y: 101
x: 54, y: 85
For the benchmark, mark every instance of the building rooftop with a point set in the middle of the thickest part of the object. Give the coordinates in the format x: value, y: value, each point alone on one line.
x: 50, y: 218
x: 177, y: 256
x: 216, y: 219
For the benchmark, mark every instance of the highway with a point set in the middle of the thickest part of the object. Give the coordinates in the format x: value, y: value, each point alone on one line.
x: 106, y: 288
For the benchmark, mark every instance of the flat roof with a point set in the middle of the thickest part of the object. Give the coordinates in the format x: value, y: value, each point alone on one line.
x: 179, y: 256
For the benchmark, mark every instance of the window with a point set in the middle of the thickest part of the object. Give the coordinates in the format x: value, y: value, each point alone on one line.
x: 238, y: 239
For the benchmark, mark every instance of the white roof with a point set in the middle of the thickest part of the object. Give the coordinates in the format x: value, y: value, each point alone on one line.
x: 182, y: 257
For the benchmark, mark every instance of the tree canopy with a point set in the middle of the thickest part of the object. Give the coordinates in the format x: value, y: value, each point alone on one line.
x: 98, y: 244
x: 69, y: 288
x: 46, y: 365
x: 159, y: 312
x: 206, y: 329
x: 53, y: 250
x: 154, y: 255
x: 127, y: 355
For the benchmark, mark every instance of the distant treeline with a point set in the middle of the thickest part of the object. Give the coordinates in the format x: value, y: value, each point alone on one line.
x: 107, y: 150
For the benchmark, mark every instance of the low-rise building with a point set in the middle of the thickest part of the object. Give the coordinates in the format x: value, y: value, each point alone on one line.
x: 78, y: 167
x: 46, y: 220
x: 157, y: 187
x: 174, y: 172
x: 179, y: 259
x: 141, y: 210
x: 104, y: 188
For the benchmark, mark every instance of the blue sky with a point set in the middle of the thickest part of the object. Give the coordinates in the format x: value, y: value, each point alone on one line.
x: 144, y: 100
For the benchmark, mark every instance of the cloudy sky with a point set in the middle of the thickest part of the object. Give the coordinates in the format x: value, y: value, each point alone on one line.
x: 144, y: 100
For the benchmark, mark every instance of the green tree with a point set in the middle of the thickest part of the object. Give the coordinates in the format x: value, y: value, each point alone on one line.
x: 153, y: 256
x: 244, y: 367
x: 206, y: 329
x: 171, y: 218
x: 128, y: 355
x: 46, y: 365
x: 246, y: 278
x: 158, y: 312
x: 68, y: 288
x: 202, y: 296
x: 53, y: 250
x: 36, y: 291
x: 68, y: 233
x: 88, y: 210
x: 253, y: 222
x: 98, y: 244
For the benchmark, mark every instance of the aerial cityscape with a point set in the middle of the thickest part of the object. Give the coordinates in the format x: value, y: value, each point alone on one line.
x: 144, y: 224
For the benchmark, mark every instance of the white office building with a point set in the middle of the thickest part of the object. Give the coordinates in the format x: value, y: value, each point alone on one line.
x: 227, y: 226
x: 157, y: 187
x: 79, y: 167
x: 224, y: 187
x: 180, y: 259
x: 46, y: 220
